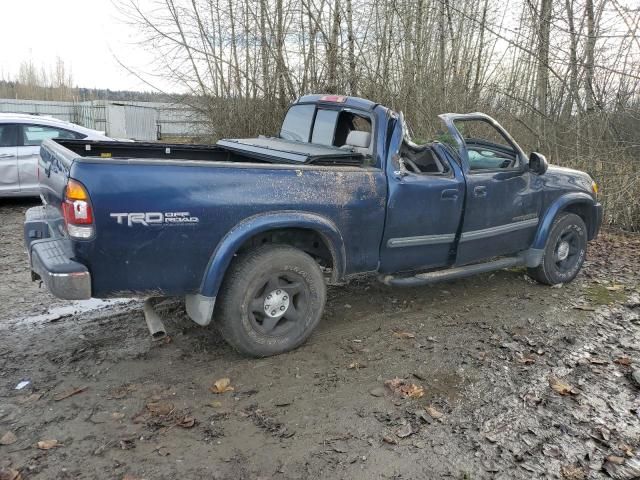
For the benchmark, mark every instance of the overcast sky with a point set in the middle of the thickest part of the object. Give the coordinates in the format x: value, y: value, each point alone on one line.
x: 86, y: 34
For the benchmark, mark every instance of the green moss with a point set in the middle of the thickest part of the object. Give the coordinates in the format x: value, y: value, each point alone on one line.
x: 600, y: 295
x: 517, y: 269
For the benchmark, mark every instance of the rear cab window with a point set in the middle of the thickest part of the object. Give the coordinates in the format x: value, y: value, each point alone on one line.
x: 324, y: 127
x: 316, y: 124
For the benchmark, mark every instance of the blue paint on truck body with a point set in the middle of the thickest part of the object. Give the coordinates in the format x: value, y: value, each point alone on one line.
x: 375, y: 217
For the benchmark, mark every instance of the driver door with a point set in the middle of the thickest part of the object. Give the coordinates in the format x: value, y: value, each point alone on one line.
x: 503, y: 197
x: 424, y: 209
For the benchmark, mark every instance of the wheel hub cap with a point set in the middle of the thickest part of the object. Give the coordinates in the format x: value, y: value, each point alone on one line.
x: 276, y: 303
x: 563, y: 250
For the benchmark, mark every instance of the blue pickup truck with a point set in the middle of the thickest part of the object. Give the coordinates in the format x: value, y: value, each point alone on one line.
x: 250, y: 231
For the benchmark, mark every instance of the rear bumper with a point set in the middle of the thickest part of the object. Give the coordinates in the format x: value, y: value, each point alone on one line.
x: 51, y: 258
x: 63, y: 277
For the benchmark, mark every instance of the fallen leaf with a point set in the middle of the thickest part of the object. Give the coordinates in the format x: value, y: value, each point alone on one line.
x: 390, y: 440
x: 9, y: 474
x: 30, y: 398
x: 598, y: 361
x: 626, y: 361
x: 526, y: 360
x: 551, y: 451
x: 187, y: 422
x: 121, y: 391
x: 356, y: 365
x: 615, y: 288
x: 434, y: 413
x: 127, y: 444
x: 8, y: 438
x: 414, y: 391
x: 585, y: 308
x: 572, y: 472
x: 68, y: 393
x: 560, y: 387
x: 404, y: 389
x: 621, y: 469
x: 400, y: 334
x: 481, y: 356
x: 628, y: 451
x: 221, y: 386
x: 48, y: 444
x: 160, y: 408
x: 117, y: 415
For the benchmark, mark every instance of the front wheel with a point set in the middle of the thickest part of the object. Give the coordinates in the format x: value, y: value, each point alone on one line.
x: 271, y: 300
x: 564, y: 252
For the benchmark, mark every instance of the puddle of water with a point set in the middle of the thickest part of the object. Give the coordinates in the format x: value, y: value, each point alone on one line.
x: 74, y: 308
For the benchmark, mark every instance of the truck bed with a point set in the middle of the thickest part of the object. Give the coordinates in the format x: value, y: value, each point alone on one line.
x: 260, y: 150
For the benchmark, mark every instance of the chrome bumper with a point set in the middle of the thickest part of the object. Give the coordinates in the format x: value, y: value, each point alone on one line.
x: 51, y: 256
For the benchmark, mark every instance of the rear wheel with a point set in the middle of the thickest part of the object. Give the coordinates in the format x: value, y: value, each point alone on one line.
x: 271, y: 300
x: 564, y: 252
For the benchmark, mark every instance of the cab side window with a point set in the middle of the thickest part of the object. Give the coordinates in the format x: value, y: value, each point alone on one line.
x: 34, y: 135
x: 487, y: 148
x: 349, y: 122
x: 297, y: 123
x: 422, y: 159
x: 8, y: 135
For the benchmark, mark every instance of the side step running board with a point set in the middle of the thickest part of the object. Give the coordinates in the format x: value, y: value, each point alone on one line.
x: 452, y: 273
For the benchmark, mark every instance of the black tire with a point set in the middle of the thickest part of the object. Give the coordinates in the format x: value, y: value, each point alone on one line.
x: 251, y: 279
x: 560, y: 265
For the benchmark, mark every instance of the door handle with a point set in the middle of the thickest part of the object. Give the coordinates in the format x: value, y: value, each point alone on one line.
x: 449, y: 194
x: 480, y: 191
x: 5, y: 155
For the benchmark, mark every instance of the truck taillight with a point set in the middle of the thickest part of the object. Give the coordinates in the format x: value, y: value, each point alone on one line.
x: 77, y: 211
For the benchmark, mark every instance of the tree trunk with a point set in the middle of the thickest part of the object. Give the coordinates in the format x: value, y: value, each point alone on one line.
x: 332, y: 51
x: 353, y: 79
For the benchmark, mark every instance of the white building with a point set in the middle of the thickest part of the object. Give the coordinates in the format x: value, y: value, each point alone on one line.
x: 142, y: 121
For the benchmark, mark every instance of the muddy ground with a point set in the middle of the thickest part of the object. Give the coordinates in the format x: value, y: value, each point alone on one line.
x: 519, y: 381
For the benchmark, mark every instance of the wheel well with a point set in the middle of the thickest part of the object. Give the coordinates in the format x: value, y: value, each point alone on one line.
x: 307, y: 240
x: 582, y: 210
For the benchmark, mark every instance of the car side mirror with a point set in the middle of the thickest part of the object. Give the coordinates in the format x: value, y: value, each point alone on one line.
x: 538, y: 163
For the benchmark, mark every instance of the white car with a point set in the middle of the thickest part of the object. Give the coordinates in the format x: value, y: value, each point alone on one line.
x: 20, y: 139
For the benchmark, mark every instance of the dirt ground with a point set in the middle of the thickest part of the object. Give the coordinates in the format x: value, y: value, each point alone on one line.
x: 519, y: 381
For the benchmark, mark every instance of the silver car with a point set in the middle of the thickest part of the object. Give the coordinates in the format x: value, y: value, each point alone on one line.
x: 20, y: 139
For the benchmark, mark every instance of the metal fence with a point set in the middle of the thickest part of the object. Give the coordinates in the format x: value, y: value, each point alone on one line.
x: 134, y: 120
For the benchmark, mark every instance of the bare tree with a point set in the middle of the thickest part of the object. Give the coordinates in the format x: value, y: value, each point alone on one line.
x: 564, y: 75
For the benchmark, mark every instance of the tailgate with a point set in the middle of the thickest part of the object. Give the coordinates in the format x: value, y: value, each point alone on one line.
x: 49, y: 247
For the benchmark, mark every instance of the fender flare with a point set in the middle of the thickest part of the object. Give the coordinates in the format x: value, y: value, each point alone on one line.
x: 552, y: 212
x: 249, y: 227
